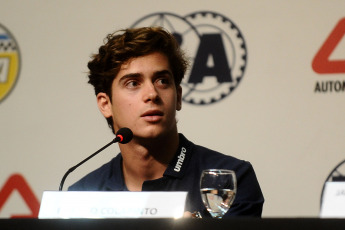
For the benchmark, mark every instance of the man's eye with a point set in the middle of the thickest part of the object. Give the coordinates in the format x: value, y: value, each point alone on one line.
x: 132, y: 84
x: 163, y: 81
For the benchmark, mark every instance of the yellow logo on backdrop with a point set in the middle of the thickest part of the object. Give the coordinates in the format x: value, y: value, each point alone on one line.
x: 9, y: 62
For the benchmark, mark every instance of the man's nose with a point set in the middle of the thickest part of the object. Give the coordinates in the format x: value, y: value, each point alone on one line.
x: 150, y: 93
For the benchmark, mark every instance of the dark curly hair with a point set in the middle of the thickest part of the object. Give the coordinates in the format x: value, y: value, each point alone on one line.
x: 123, y: 45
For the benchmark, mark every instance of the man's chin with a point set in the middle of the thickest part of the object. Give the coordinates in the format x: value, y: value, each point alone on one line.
x: 152, y: 133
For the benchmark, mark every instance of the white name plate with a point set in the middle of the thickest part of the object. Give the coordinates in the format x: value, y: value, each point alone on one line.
x: 333, y: 204
x: 72, y: 204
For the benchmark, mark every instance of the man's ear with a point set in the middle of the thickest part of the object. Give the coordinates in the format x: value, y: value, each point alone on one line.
x: 104, y: 104
x: 179, y: 98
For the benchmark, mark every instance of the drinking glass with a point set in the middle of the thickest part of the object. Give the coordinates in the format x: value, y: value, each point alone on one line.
x: 218, y: 189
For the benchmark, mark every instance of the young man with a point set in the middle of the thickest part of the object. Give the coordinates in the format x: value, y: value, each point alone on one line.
x: 137, y: 76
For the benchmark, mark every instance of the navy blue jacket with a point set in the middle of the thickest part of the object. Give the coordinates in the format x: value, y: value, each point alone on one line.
x: 183, y: 174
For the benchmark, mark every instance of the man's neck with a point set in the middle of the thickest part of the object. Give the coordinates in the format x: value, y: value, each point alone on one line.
x: 146, y: 161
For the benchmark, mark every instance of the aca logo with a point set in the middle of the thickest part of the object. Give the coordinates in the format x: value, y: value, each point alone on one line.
x: 217, y: 50
x: 9, y: 62
x: 324, y: 63
x: 17, y: 183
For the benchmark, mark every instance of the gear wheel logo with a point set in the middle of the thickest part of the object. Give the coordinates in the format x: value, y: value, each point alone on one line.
x: 9, y: 62
x: 217, y: 50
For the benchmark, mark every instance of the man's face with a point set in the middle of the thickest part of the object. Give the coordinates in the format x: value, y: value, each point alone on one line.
x: 144, y: 97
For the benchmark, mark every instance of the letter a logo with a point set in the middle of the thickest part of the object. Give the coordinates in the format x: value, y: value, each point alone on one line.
x: 17, y: 182
x: 321, y: 63
x: 211, y: 45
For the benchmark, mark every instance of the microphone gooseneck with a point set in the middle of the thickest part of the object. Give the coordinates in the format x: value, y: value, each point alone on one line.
x: 123, y: 136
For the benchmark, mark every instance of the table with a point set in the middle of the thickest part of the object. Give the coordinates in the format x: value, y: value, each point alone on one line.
x: 167, y: 224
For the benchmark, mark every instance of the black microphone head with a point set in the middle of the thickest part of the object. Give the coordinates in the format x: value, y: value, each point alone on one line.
x: 125, y: 135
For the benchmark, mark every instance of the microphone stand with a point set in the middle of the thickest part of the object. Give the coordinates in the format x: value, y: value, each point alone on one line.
x: 82, y: 162
x: 123, y: 136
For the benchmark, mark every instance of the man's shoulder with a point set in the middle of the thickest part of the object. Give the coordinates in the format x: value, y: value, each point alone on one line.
x: 210, y: 156
x: 95, y: 180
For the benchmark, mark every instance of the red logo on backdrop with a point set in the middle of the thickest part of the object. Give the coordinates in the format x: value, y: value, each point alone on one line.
x: 321, y: 63
x: 17, y: 182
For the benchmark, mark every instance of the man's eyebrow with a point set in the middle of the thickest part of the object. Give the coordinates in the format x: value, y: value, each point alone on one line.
x: 163, y: 72
x: 137, y: 75
x: 130, y: 75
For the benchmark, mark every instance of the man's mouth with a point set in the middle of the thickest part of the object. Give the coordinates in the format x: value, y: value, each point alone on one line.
x: 152, y: 115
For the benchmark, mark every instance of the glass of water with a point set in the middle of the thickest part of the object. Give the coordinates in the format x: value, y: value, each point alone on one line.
x: 218, y: 190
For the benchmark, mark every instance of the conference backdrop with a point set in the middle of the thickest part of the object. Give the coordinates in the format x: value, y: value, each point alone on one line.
x: 266, y: 85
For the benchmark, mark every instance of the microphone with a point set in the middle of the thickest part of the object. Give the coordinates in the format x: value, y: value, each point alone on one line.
x: 123, y: 136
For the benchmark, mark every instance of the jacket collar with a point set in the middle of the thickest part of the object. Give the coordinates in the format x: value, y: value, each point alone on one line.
x: 176, y: 168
